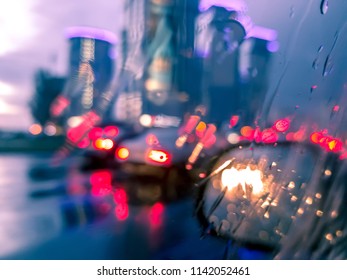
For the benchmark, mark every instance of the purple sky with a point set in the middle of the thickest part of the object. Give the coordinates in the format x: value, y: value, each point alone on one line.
x: 31, y: 34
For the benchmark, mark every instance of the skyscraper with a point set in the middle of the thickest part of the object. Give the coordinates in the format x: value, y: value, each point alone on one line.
x: 90, y: 71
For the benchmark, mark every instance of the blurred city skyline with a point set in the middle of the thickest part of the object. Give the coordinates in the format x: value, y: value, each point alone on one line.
x: 32, y: 37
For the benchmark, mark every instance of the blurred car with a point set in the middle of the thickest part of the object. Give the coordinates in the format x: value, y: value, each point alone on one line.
x: 151, y: 151
x: 100, y: 144
x: 152, y: 159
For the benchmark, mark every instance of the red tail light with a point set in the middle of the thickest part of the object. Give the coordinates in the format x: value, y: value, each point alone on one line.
x: 269, y: 136
x: 122, y: 211
x: 247, y: 132
x: 84, y: 143
x: 282, y: 125
x: 101, y: 182
x: 316, y: 137
x: 103, y: 144
x: 156, y: 214
x: 120, y: 196
x: 95, y: 133
x: 122, y: 153
x: 111, y: 131
x: 326, y: 141
x: 159, y: 156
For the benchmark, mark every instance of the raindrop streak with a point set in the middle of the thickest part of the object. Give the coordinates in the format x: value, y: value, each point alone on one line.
x: 334, y: 111
x: 288, y: 55
x: 292, y: 12
x: 267, y: 105
x: 316, y: 62
x: 328, y: 64
x: 324, y: 6
x: 314, y: 87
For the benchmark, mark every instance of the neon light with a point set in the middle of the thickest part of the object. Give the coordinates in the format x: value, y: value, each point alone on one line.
x: 92, y: 33
x: 263, y: 33
x: 228, y: 5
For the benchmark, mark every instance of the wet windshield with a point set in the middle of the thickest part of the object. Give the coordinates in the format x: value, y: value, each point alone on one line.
x: 172, y: 90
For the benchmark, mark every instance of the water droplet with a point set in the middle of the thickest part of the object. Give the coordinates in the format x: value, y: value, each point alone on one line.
x: 292, y: 12
x: 300, y: 211
x: 328, y: 66
x: 294, y: 198
x: 329, y: 236
x: 313, y: 88
x: 315, y: 64
x: 334, y: 111
x: 291, y: 185
x: 309, y: 200
x: 319, y: 213
x: 327, y: 172
x: 324, y: 6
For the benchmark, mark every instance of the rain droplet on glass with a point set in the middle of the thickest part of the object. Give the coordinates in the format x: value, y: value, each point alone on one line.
x: 313, y: 88
x: 292, y: 12
x: 336, y: 108
x: 324, y: 6
x: 328, y: 66
x: 315, y: 64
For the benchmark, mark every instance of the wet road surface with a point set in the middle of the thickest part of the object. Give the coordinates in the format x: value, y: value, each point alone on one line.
x: 67, y: 214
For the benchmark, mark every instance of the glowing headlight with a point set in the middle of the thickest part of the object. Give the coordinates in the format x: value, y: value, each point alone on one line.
x: 250, y: 180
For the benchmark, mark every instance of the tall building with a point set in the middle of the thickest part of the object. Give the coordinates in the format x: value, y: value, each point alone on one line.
x: 236, y: 55
x: 90, y: 71
x: 158, y: 48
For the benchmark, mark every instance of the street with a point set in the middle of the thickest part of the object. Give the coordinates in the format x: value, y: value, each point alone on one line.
x: 63, y: 216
